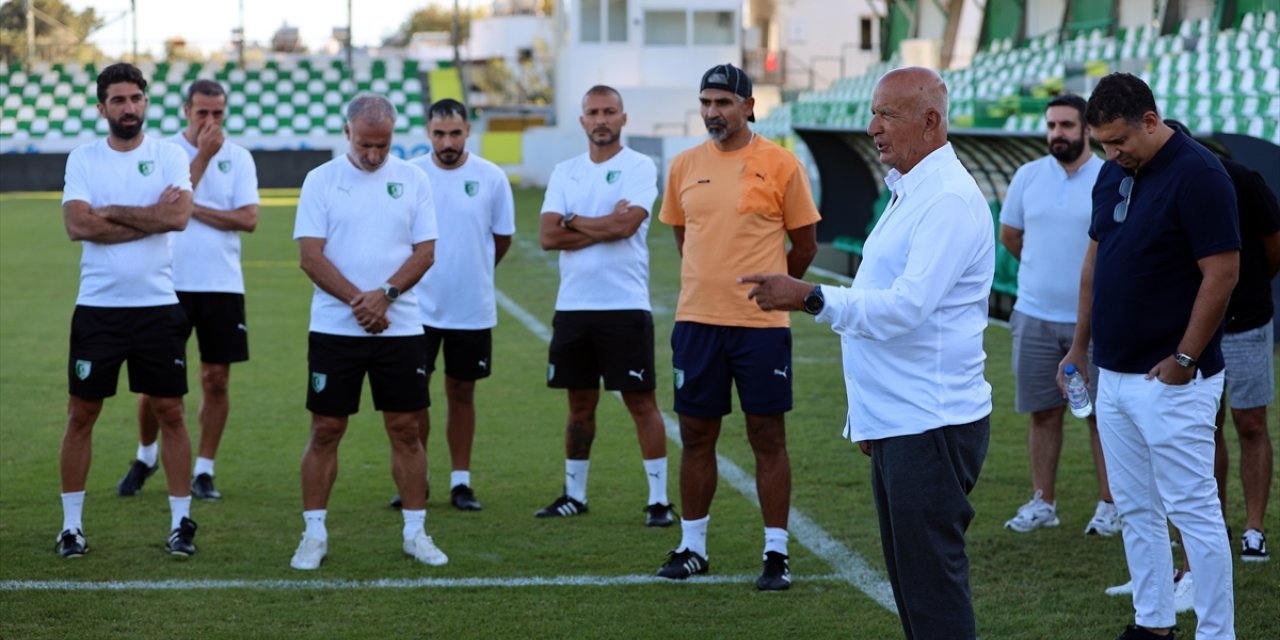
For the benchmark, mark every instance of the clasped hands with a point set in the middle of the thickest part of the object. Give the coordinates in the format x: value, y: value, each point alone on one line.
x: 370, y: 310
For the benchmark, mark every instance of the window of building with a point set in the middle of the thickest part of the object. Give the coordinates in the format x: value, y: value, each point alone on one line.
x: 590, y: 20
x: 665, y: 28
x: 865, y: 42
x: 713, y: 28
x: 617, y: 19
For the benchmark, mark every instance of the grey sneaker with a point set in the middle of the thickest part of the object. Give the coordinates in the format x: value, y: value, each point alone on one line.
x: 1105, y: 522
x: 1033, y: 515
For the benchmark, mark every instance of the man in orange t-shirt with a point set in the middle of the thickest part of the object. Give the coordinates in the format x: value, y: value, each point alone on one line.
x: 733, y: 203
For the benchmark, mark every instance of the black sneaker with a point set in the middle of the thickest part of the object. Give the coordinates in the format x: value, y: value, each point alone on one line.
x: 682, y: 564
x: 660, y: 515
x: 1253, y: 546
x: 1134, y: 632
x: 777, y: 573
x: 463, y: 498
x: 182, y: 541
x: 202, y: 487
x: 564, y: 506
x: 71, y: 544
x: 131, y: 483
x: 396, y: 503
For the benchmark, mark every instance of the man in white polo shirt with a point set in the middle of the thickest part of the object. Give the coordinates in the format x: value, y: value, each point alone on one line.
x: 1044, y: 222
x: 122, y: 197
x: 477, y: 219
x: 366, y: 229
x: 596, y: 212
x: 208, y: 279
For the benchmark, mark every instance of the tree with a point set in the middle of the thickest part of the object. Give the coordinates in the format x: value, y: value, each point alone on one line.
x: 60, y: 30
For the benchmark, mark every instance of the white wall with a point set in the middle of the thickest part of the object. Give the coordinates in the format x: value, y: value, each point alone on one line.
x: 1044, y: 16
x: 818, y: 34
x: 503, y: 36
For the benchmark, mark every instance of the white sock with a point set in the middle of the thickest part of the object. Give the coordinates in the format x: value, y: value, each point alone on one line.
x: 459, y: 478
x: 315, y: 524
x: 414, y: 521
x: 147, y: 453
x: 179, y: 508
x: 203, y: 465
x: 575, y: 479
x: 775, y: 539
x: 72, y: 509
x: 694, y: 535
x: 656, y: 469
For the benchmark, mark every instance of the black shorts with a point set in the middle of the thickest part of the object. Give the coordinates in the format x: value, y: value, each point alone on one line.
x: 397, y: 368
x: 588, y: 345
x: 710, y: 359
x: 150, y: 339
x: 219, y: 323
x: 468, y: 353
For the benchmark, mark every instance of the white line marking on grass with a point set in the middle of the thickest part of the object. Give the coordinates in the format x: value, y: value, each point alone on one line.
x: 850, y: 566
x: 386, y: 583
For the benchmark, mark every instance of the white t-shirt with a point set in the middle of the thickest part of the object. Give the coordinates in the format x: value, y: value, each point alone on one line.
x: 137, y: 273
x: 369, y: 222
x: 1054, y: 211
x: 607, y: 275
x: 473, y: 203
x: 205, y: 258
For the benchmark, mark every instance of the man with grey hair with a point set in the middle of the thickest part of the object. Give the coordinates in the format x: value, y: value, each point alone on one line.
x: 366, y: 229
x: 911, y: 327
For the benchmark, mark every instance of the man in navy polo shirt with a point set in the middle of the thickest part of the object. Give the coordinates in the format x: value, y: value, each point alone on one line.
x: 1154, y: 286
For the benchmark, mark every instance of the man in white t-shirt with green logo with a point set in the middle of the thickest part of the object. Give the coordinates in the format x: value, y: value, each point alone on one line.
x: 476, y: 213
x: 596, y: 212
x: 208, y: 279
x: 366, y: 229
x: 123, y: 195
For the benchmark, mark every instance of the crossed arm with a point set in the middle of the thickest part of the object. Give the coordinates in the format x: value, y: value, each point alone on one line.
x: 113, y: 224
x: 621, y: 223
x: 242, y: 219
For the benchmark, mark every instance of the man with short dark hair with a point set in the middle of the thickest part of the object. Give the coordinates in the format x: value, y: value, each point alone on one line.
x: 1154, y: 286
x: 1044, y: 223
x: 208, y: 279
x: 596, y: 213
x: 123, y: 196
x: 366, y: 230
x: 733, y: 203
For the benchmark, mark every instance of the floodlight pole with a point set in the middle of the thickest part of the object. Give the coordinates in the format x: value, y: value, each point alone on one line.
x: 31, y: 34
x: 133, y: 7
x: 351, y: 69
x: 240, y: 45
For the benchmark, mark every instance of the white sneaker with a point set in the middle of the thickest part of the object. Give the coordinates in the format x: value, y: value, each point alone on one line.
x: 1105, y: 522
x: 309, y: 554
x: 424, y: 550
x: 1034, y: 515
x: 1184, y: 593
x: 1125, y: 589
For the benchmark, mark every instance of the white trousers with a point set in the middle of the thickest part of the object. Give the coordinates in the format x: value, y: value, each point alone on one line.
x: 1158, y: 444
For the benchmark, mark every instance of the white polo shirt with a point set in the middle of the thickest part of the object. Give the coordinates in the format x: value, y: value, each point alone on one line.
x: 206, y: 258
x: 369, y: 222
x: 1053, y: 210
x: 473, y: 203
x: 137, y: 273
x: 911, y: 323
x: 607, y: 275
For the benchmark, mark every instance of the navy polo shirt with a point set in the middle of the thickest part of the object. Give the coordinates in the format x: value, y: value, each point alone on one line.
x: 1145, y: 277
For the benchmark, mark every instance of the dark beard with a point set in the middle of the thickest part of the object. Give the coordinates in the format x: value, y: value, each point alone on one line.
x: 1070, y: 154
x: 125, y: 131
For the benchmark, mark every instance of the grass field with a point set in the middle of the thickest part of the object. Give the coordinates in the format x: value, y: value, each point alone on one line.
x: 509, y: 575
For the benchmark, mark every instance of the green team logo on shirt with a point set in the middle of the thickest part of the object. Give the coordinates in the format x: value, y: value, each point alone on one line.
x: 83, y: 367
x: 146, y: 167
x: 395, y: 189
x: 472, y: 187
x: 224, y: 166
x: 318, y: 380
x: 612, y: 176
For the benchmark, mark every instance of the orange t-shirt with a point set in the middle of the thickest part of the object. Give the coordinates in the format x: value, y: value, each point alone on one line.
x: 736, y: 208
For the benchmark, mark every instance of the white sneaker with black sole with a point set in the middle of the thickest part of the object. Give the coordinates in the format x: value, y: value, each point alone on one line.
x: 1105, y: 522
x: 1253, y: 546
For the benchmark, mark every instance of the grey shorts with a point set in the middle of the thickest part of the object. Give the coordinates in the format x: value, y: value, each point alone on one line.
x: 1250, y: 378
x: 1038, y: 347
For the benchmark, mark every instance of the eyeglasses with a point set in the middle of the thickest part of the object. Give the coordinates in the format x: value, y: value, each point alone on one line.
x: 1122, y: 207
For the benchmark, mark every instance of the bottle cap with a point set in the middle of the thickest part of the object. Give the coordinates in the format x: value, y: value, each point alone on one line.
x: 1069, y: 369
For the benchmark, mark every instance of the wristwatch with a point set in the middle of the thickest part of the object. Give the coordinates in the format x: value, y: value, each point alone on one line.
x: 814, y: 302
x: 567, y: 221
x: 390, y: 291
x: 1184, y: 360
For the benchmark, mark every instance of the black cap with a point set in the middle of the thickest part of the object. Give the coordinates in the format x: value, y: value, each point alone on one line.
x: 728, y: 78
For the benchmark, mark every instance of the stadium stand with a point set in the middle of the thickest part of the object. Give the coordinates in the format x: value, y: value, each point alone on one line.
x: 284, y: 97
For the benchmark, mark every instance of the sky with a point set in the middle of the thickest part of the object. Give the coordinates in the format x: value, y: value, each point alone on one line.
x: 206, y: 25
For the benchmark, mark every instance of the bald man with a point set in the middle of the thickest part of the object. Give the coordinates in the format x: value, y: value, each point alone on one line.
x: 911, y: 328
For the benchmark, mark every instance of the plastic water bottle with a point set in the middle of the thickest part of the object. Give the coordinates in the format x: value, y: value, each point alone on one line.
x: 1077, y: 394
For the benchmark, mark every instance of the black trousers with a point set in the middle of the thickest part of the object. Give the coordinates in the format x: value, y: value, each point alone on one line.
x: 921, y: 485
